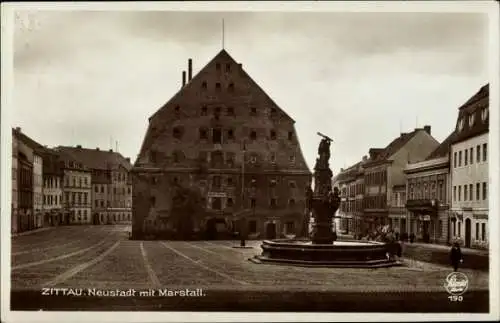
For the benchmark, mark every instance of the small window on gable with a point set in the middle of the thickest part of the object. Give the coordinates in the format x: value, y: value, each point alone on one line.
x: 217, y: 86
x: 273, y: 135
x: 230, y: 88
x: 228, y: 67
x: 253, y: 135
x: 152, y: 156
x: 204, y: 85
x: 253, y: 111
x: 217, y: 66
x: 272, y: 157
x: 203, y: 133
x: 177, y: 133
x: 230, y: 134
x: 290, y: 135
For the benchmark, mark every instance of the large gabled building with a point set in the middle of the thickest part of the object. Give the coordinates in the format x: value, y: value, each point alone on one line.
x: 384, y: 174
x: 222, y: 136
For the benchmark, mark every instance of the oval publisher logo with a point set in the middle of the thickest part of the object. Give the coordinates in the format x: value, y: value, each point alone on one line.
x: 456, y: 283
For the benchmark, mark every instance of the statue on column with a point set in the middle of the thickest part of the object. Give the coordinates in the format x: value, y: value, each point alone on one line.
x: 325, y: 201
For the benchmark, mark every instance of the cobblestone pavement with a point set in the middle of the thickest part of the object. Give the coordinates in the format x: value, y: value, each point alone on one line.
x: 103, y: 257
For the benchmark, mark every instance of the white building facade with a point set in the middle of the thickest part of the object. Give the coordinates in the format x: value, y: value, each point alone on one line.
x: 469, y: 173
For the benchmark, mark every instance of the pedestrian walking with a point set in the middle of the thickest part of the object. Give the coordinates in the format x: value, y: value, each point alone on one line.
x: 456, y: 256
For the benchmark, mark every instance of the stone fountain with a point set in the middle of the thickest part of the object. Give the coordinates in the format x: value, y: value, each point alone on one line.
x: 323, y: 249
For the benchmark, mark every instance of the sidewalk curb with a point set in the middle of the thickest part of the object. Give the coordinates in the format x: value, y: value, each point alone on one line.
x: 25, y: 233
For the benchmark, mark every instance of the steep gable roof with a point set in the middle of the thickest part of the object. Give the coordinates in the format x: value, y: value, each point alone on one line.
x: 473, y: 108
x: 96, y: 159
x: 27, y: 140
x: 443, y: 149
x: 223, y: 54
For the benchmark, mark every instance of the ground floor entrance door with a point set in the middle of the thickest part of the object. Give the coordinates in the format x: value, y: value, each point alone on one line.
x: 271, y: 231
x: 467, y: 233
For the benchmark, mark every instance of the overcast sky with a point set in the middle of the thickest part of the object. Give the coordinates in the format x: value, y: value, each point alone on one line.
x: 361, y: 78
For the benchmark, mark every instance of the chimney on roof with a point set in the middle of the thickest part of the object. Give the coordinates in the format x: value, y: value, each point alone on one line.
x: 111, y: 150
x: 127, y: 159
x: 365, y: 158
x: 190, y: 69
x: 427, y: 129
x: 79, y: 146
x: 18, y: 129
x: 183, y: 78
x: 97, y: 149
x: 341, y: 169
x: 403, y: 134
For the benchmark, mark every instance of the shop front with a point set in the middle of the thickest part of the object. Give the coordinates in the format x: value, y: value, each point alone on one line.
x: 423, y: 220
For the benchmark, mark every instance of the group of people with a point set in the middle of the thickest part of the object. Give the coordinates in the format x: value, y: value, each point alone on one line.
x: 395, y: 243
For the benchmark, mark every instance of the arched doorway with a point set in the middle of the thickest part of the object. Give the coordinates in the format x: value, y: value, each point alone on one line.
x: 467, y: 233
x: 271, y: 230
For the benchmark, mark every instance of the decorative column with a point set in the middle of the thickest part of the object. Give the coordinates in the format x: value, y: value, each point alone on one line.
x: 325, y: 202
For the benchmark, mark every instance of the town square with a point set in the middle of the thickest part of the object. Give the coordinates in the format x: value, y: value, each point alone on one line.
x: 187, y: 166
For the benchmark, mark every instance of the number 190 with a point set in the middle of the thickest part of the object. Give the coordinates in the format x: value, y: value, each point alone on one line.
x: 455, y: 298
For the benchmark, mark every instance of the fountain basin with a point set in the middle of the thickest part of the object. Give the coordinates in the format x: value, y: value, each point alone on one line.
x: 344, y: 253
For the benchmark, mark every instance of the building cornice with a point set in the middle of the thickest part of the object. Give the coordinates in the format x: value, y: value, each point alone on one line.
x: 426, y: 165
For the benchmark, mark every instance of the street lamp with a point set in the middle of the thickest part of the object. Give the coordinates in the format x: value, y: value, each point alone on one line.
x: 242, y: 221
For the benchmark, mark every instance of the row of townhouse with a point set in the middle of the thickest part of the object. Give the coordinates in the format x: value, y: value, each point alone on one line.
x: 438, y: 192
x: 66, y: 185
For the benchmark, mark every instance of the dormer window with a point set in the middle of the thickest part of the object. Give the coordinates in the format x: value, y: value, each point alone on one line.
x: 177, y: 133
x: 230, y: 134
x: 460, y: 124
x: 204, y: 110
x: 484, y: 114
x: 203, y: 133
x: 471, y: 119
x: 272, y: 157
